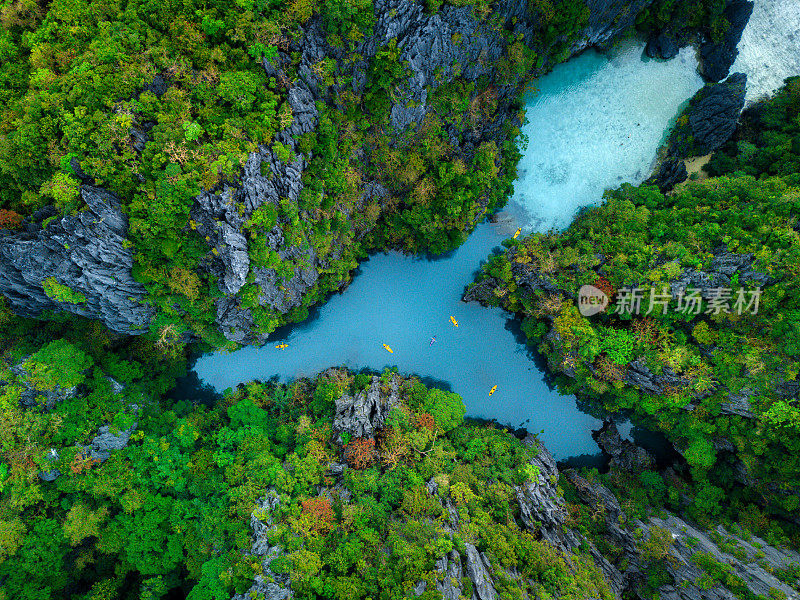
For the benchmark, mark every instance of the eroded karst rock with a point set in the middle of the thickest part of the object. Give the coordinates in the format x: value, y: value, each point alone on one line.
x: 83, y: 262
x: 716, y: 58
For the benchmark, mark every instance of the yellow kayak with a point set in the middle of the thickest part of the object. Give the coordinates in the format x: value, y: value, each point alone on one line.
x: 492, y: 390
x: 282, y: 346
x: 453, y: 321
x: 388, y: 349
x: 516, y: 234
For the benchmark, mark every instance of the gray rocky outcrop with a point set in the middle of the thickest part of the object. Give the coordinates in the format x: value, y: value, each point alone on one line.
x: 738, y: 404
x: 478, y: 570
x: 705, y: 125
x: 624, y: 454
x: 662, y: 46
x: 719, y: 274
x: 33, y: 396
x: 713, y: 116
x: 684, y: 552
x: 607, y: 20
x: 670, y: 172
x: 365, y: 413
x: 107, y: 441
x: 751, y: 561
x: 267, y: 585
x: 451, y: 571
x: 716, y: 58
x: 51, y: 475
x: 639, y: 375
x: 98, y: 450
x: 541, y: 507
x: 221, y: 217
x: 85, y: 252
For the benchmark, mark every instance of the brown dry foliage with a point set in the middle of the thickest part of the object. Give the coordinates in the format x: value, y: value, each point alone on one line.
x: 360, y: 452
x: 646, y: 330
x: 605, y: 285
x: 320, y: 511
x: 426, y: 421
x: 82, y: 463
x: 9, y: 219
x: 608, y: 370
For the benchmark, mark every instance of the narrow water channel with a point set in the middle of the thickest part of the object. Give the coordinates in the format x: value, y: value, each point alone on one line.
x: 594, y: 123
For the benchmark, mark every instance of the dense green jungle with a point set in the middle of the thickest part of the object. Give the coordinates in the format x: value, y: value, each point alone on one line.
x: 351, y: 485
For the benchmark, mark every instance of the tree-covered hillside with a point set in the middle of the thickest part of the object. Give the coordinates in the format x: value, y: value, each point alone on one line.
x: 162, y: 498
x: 702, y: 336
x: 258, y: 150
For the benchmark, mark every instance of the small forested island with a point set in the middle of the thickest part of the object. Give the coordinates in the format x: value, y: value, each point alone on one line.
x: 183, y: 178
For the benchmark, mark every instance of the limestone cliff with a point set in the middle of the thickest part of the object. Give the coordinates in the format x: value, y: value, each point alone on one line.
x: 77, y: 263
x: 86, y: 254
x: 435, y: 49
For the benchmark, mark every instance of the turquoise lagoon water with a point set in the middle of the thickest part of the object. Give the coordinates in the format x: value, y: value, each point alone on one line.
x: 595, y: 122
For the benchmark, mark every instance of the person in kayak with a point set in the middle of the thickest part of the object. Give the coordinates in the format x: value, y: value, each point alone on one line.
x: 433, y: 340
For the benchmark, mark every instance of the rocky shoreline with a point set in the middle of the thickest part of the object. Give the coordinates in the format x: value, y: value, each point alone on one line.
x: 704, y: 126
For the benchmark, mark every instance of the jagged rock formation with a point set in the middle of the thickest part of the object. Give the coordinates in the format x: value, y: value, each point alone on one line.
x: 607, y: 19
x: 753, y: 562
x: 670, y: 172
x: 624, y: 454
x: 687, y: 553
x: 221, y: 215
x: 707, y: 123
x: 86, y: 254
x: 105, y: 441
x: 268, y: 585
x: 539, y: 502
x: 714, y: 111
x: 51, y: 474
x: 35, y: 397
x: 364, y: 414
x: 434, y: 48
x: 661, y: 46
x: 716, y: 59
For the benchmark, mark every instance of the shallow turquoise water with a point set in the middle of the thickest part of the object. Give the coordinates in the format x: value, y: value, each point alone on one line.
x: 580, y: 123
x: 596, y: 122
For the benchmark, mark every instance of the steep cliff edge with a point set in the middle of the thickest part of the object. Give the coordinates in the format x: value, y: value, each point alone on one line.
x: 355, y: 164
x: 80, y: 264
x: 451, y: 45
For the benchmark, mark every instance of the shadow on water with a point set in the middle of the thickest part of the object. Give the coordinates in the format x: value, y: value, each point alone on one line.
x: 432, y: 382
x: 514, y: 327
x: 285, y: 331
x: 584, y: 461
x: 193, y: 390
x: 657, y: 444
